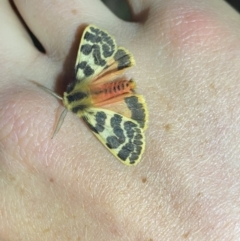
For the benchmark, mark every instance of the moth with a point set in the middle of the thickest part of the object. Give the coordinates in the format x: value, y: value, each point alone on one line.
x: 104, y: 98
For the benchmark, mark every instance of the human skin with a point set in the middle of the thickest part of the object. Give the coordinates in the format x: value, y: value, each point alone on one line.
x: 70, y: 187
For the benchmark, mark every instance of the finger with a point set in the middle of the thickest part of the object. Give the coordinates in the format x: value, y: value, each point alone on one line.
x: 16, y: 48
x: 55, y: 24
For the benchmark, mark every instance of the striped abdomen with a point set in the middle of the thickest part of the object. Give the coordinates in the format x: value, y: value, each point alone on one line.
x: 111, y: 90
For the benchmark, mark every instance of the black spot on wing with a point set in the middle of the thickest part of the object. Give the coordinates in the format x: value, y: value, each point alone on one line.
x: 129, y: 128
x: 138, y: 150
x: 94, y: 51
x: 71, y: 86
x: 87, y: 70
x: 98, y: 60
x: 115, y: 122
x: 131, y: 150
x: 97, y: 37
x: 112, y: 142
x: 125, y: 151
x: 82, y: 65
x: 138, y: 136
x: 137, y: 110
x: 123, y: 154
x: 104, y: 39
x: 129, y: 146
x: 76, y: 96
x: 93, y: 36
x: 137, y: 142
x: 100, y: 118
x: 133, y: 157
x: 78, y: 108
x: 91, y: 127
x: 86, y: 49
x: 108, y: 50
x: 119, y: 138
x: 122, y: 58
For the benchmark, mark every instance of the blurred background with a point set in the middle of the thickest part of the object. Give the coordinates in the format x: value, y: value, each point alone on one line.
x: 118, y: 7
x: 122, y: 10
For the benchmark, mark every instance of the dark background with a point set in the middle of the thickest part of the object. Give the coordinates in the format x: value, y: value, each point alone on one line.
x: 235, y: 4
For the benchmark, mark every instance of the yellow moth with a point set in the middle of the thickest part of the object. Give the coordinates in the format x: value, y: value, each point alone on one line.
x: 105, y: 99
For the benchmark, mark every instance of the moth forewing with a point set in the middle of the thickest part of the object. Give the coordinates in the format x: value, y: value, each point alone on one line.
x: 96, y: 48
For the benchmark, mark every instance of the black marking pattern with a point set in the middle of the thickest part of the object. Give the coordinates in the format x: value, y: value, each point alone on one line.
x: 137, y: 109
x: 95, y: 50
x: 123, y: 59
x: 98, y: 36
x: 91, y: 127
x: 87, y: 70
x: 78, y: 109
x: 126, y: 136
x: 133, y: 148
x: 99, y: 46
x: 76, y: 96
x: 112, y: 142
x: 100, y: 118
x: 119, y: 138
x: 122, y: 136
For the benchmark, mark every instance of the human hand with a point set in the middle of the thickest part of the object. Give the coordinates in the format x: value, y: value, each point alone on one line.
x: 71, y: 187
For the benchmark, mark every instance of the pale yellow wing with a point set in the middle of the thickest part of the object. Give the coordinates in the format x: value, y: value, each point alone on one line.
x: 98, y: 56
x: 132, y: 106
x: 96, y: 49
x: 122, y: 136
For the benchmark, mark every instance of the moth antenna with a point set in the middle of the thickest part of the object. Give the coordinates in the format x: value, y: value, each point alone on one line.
x: 60, y: 122
x: 47, y: 90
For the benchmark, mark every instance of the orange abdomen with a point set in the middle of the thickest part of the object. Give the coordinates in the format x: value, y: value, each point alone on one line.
x: 111, y: 90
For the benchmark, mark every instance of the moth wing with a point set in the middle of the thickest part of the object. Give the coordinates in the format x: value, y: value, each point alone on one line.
x: 122, y: 136
x: 121, y: 60
x: 98, y: 56
x: 96, y: 48
x: 132, y: 106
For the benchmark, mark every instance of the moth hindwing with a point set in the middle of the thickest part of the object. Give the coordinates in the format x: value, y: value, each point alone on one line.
x: 105, y: 99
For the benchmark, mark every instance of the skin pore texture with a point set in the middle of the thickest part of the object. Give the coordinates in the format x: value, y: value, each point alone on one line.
x: 70, y: 187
